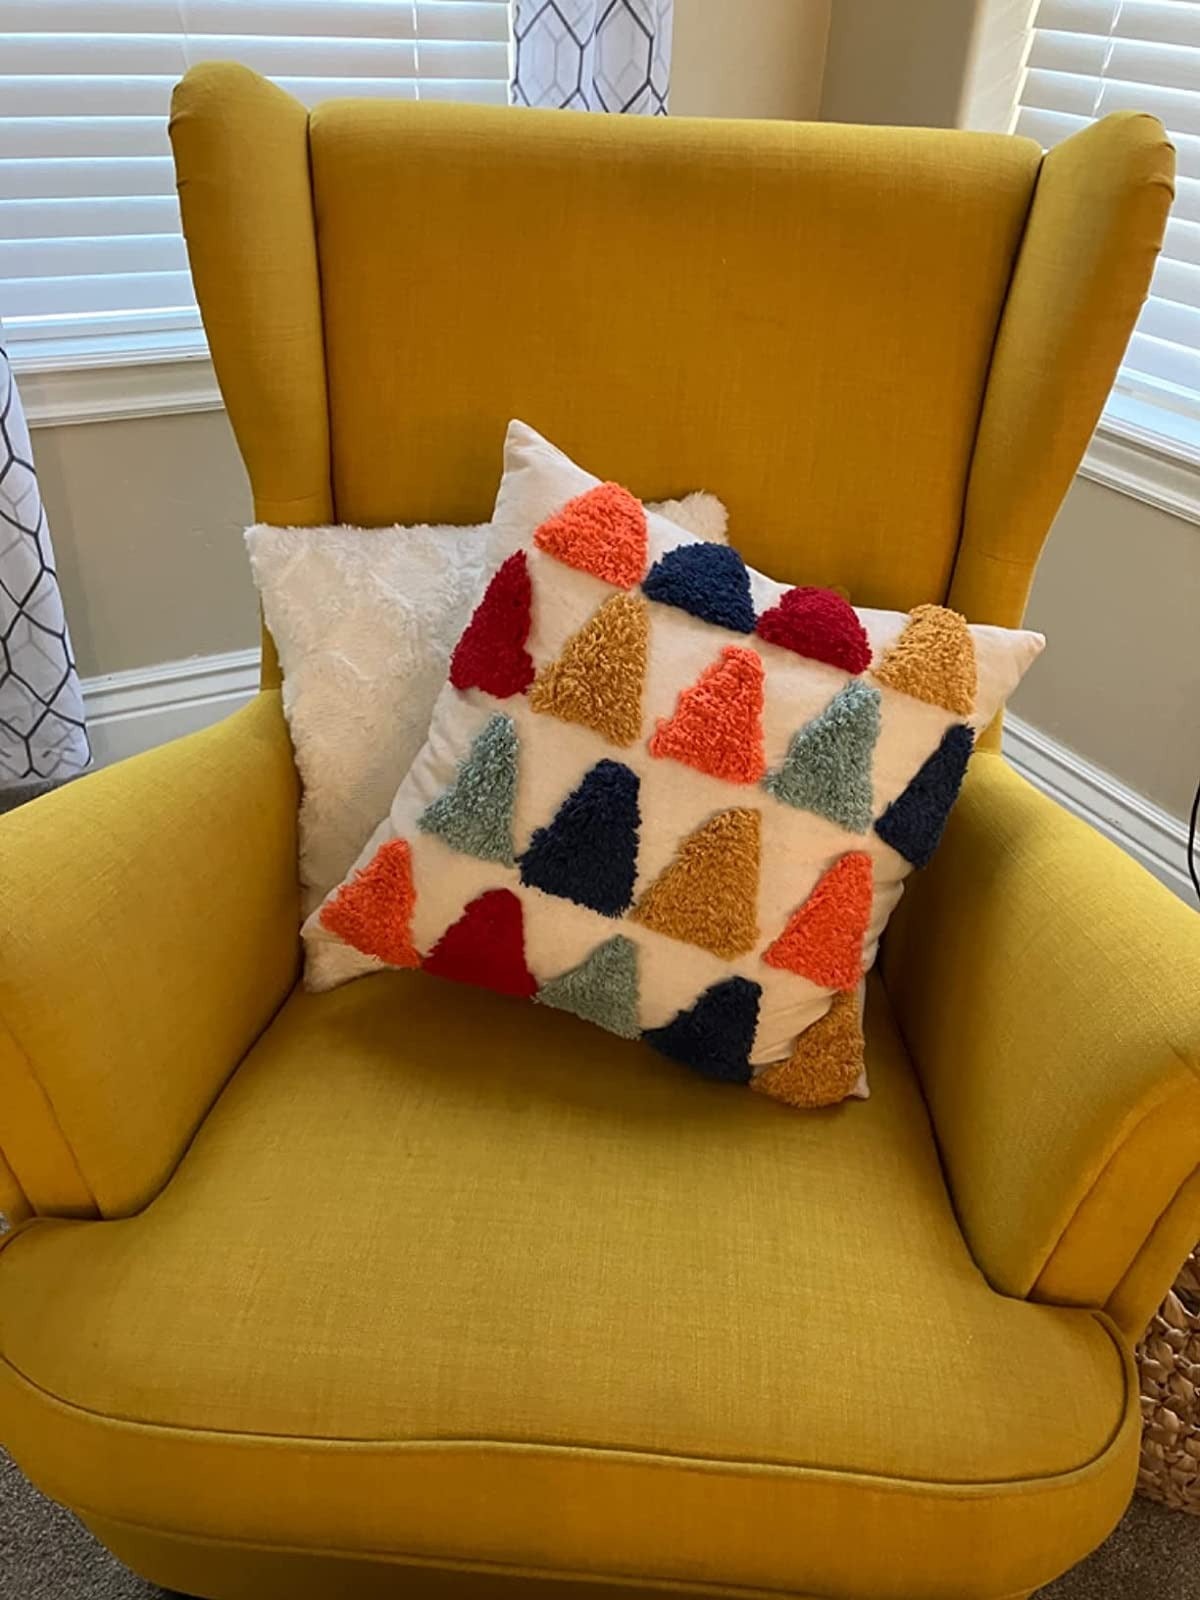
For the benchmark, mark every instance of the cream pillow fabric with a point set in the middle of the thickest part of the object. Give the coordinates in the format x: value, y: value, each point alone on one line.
x: 667, y: 793
x: 364, y: 621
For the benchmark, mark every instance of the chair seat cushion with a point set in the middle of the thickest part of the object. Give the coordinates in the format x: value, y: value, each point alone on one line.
x: 445, y: 1277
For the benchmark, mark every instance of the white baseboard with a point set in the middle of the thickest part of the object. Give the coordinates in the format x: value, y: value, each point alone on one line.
x: 1147, y: 832
x: 131, y: 711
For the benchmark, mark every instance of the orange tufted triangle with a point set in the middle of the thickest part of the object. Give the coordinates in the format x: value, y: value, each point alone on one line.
x: 933, y: 660
x: 717, y: 723
x: 373, y: 910
x: 708, y: 896
x: 602, y: 532
x: 823, y: 940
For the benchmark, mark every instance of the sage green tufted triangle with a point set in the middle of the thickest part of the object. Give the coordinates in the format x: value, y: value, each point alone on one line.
x: 602, y: 989
x: 474, y: 815
x: 827, y: 769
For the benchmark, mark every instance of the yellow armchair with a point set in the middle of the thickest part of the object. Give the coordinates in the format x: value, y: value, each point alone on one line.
x: 396, y: 1290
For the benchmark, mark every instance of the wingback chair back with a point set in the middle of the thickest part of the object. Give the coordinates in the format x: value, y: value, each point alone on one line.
x: 884, y: 348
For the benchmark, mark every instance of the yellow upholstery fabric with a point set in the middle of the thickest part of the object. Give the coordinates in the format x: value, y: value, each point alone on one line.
x: 737, y: 339
x: 14, y: 1206
x: 245, y: 1572
x: 1087, y: 254
x: 1047, y: 987
x: 241, y: 155
x: 1173, y: 1237
x: 445, y: 1276
x: 148, y: 920
x: 740, y: 336
x: 443, y: 1279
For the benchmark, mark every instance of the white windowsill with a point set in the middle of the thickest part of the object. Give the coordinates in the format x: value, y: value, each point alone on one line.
x: 108, y: 389
x: 1121, y: 455
x: 1146, y: 467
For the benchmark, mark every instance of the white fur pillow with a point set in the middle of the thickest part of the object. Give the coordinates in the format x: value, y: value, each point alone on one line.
x: 364, y: 620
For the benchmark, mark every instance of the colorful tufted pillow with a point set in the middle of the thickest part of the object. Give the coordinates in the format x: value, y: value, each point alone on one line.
x: 668, y: 795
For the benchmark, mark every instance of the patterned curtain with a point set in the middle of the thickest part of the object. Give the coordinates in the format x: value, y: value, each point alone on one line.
x: 592, y: 55
x: 43, y: 737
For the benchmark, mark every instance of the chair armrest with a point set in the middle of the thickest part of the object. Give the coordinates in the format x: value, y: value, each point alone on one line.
x: 149, y: 919
x: 1049, y: 991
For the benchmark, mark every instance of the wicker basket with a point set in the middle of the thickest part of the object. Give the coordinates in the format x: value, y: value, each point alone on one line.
x: 1169, y: 1366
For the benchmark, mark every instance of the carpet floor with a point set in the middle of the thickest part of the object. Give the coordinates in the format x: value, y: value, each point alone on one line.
x: 46, y: 1555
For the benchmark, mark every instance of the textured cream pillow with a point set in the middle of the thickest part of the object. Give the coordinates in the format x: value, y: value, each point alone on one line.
x: 364, y: 621
x: 668, y: 794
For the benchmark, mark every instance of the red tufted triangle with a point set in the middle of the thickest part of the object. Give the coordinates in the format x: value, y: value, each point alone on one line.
x: 486, y: 947
x: 372, y: 910
x: 491, y: 653
x: 820, y: 625
x: 602, y: 532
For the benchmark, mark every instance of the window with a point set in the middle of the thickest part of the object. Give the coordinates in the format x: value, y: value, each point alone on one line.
x: 1083, y: 59
x: 92, y: 260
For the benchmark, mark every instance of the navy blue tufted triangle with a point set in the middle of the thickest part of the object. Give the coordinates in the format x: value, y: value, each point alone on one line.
x: 589, y: 852
x: 913, y: 823
x: 713, y: 1037
x: 708, y: 581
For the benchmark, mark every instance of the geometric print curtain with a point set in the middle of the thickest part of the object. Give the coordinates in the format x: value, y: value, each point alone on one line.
x: 592, y: 55
x: 43, y: 737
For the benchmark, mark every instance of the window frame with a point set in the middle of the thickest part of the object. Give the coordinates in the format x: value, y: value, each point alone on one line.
x: 439, y: 51
x: 1127, y: 452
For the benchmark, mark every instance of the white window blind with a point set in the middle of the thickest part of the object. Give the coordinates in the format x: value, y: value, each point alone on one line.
x: 1087, y: 58
x: 92, y: 260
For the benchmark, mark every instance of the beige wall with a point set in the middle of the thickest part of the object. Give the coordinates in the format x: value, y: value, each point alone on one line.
x: 749, y: 58
x: 146, y: 518
x: 1118, y: 597
x: 898, y: 62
